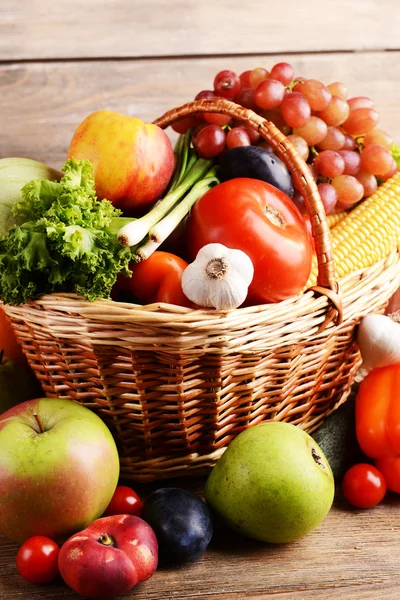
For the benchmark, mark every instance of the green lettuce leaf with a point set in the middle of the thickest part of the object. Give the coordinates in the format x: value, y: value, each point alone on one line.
x: 63, y: 243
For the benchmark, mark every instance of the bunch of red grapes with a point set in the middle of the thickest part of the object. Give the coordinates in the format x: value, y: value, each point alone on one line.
x: 334, y: 134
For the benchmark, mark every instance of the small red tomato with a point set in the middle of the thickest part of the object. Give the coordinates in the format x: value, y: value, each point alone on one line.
x: 363, y: 485
x: 37, y: 559
x: 124, y: 502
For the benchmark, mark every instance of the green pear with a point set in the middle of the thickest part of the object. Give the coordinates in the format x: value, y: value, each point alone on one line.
x: 273, y: 483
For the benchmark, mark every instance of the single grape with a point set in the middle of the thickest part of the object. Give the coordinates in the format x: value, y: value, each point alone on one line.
x: 317, y: 93
x: 246, y: 99
x: 251, y: 132
x: 275, y: 116
x: 328, y: 196
x: 295, y: 109
x: 359, y: 102
x: 300, y: 144
x: 245, y: 79
x: 269, y: 94
x: 334, y: 140
x: 349, y: 142
x: 361, y: 120
x: 283, y: 72
x: 338, y: 89
x: 380, y: 137
x: 226, y: 84
x: 329, y: 164
x: 185, y: 124
x: 216, y: 118
x: 209, y: 141
x: 213, y: 118
x: 376, y: 160
x: 237, y: 136
x: 314, y: 131
x: 205, y: 95
x: 368, y: 181
x: 391, y: 171
x: 336, y: 112
x: 257, y: 76
x: 299, y: 202
x: 352, y: 161
x: 349, y: 190
x: 266, y: 146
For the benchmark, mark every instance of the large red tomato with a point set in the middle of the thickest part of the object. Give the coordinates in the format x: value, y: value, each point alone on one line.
x: 257, y: 218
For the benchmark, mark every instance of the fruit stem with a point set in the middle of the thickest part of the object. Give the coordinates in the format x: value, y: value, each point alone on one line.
x: 39, y: 422
x: 106, y: 540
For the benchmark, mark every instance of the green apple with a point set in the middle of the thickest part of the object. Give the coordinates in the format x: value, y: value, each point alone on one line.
x: 59, y: 468
x: 17, y: 383
x: 273, y: 483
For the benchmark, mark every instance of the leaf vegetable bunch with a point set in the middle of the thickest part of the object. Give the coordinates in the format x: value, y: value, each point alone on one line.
x: 64, y: 240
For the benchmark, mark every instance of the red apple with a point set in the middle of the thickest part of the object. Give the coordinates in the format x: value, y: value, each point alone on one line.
x: 59, y: 468
x: 133, y: 161
x: 109, y: 557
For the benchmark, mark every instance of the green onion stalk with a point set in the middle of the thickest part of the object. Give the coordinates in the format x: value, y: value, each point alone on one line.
x: 193, y: 177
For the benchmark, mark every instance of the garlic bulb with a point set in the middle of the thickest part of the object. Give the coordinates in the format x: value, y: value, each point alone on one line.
x: 379, y: 339
x: 219, y: 277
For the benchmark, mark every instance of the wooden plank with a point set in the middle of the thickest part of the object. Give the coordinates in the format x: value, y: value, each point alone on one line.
x: 43, y: 103
x: 353, y: 554
x: 118, y: 28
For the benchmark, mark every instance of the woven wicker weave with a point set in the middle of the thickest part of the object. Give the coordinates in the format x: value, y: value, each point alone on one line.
x: 176, y: 385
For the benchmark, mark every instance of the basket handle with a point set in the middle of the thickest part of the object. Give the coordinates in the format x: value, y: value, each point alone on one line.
x: 326, y: 281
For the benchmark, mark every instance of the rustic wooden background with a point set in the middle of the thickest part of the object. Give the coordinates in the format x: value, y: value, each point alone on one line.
x: 61, y: 60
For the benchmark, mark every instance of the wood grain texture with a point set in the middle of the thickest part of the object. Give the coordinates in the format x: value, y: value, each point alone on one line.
x: 352, y: 555
x: 31, y: 29
x: 43, y: 103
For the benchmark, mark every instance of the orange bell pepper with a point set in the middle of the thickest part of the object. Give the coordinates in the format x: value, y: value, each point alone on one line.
x: 378, y: 413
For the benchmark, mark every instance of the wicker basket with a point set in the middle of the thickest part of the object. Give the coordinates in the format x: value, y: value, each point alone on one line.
x: 176, y: 385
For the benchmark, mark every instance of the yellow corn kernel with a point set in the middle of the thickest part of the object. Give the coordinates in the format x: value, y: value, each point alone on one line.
x: 334, y: 218
x: 368, y: 233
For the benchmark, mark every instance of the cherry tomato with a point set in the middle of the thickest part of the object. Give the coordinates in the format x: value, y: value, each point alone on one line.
x: 363, y: 485
x: 37, y: 559
x: 124, y: 502
x: 257, y: 218
x: 156, y: 279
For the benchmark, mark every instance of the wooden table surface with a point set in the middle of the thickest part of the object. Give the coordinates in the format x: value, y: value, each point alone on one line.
x: 59, y: 61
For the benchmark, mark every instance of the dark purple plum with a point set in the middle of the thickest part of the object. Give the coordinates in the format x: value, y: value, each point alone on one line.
x: 181, y: 522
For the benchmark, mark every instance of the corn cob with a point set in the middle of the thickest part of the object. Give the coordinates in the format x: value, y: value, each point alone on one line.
x: 334, y: 218
x: 368, y: 233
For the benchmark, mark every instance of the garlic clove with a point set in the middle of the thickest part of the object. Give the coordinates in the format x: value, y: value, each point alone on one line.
x: 194, y: 286
x: 228, y: 293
